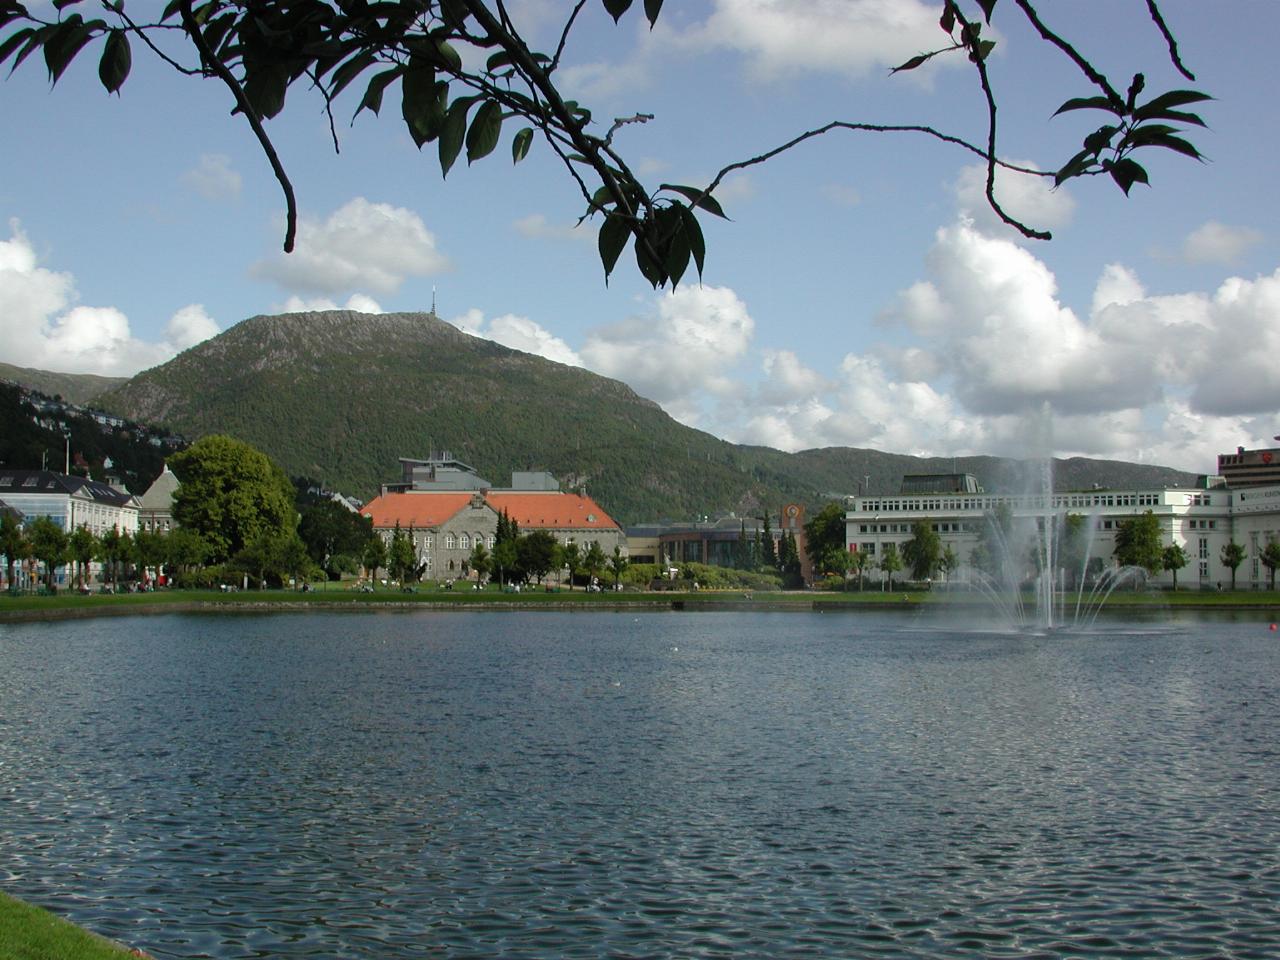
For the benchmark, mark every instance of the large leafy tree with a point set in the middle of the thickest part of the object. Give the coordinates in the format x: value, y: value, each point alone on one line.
x: 537, y: 554
x: 1270, y: 558
x: 231, y: 494
x: 824, y: 538
x: 331, y: 533
x: 49, y: 544
x: 1138, y: 543
x: 923, y: 552
x: 82, y: 545
x: 13, y: 544
x: 409, y: 51
x: 1173, y: 559
x: 890, y: 562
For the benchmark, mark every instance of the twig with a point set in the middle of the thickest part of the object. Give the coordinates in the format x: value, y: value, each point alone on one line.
x: 1169, y: 39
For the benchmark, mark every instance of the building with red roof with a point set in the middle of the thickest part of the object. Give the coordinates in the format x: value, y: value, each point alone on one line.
x: 446, y: 520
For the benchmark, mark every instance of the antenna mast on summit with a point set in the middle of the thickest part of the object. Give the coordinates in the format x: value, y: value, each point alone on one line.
x: 433, y: 299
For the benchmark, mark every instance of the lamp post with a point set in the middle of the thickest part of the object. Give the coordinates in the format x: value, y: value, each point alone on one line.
x: 66, y: 435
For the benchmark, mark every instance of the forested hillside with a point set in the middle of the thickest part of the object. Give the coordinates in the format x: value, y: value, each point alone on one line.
x: 340, y: 396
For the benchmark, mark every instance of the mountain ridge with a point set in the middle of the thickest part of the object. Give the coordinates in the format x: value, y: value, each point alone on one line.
x: 340, y: 396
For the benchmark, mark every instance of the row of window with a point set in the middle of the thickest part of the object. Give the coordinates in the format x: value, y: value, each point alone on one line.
x: 1060, y: 501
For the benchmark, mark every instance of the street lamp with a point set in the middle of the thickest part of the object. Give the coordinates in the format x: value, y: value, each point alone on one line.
x: 66, y: 435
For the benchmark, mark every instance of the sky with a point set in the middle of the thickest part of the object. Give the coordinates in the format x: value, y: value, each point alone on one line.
x: 860, y: 294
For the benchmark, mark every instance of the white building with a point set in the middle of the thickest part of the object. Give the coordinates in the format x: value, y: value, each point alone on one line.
x: 69, y: 501
x: 1202, y: 520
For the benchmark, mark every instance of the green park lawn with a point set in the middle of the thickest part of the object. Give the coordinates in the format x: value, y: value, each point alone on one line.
x: 29, y: 933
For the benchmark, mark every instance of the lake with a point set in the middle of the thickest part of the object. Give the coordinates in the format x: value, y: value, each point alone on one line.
x: 587, y: 784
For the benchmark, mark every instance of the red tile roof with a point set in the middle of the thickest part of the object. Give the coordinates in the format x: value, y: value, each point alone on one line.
x: 423, y: 511
x: 532, y: 511
x: 551, y: 511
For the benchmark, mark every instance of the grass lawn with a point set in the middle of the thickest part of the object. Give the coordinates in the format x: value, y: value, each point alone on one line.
x: 29, y: 933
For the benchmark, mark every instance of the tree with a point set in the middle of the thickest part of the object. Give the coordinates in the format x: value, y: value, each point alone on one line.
x: 993, y: 540
x: 505, y: 559
x: 259, y: 50
x: 859, y: 560
x: 13, y: 544
x: 769, y: 556
x: 618, y: 564
x: 571, y: 557
x: 231, y: 494
x: 374, y: 556
x: 890, y: 562
x: 149, y: 550
x: 331, y: 531
x: 185, y: 550
x: 401, y: 560
x: 824, y: 538
x: 115, y: 549
x: 1271, y: 559
x: 789, y: 563
x: 82, y: 545
x: 923, y: 552
x: 49, y: 544
x: 536, y: 554
x: 1174, y: 559
x: 1232, y: 555
x: 480, y: 561
x: 948, y: 562
x: 1138, y: 543
x: 594, y: 560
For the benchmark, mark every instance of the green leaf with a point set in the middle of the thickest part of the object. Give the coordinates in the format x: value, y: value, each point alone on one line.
x: 453, y: 132
x: 454, y: 13
x: 650, y: 269
x: 349, y: 71
x: 418, y: 101
x: 372, y: 99
x: 1176, y: 144
x: 693, y: 231
x: 611, y: 241
x: 987, y: 7
x: 116, y: 60
x: 948, y: 19
x: 13, y: 42
x: 675, y: 252
x: 1100, y: 139
x: 617, y: 8
x: 34, y: 42
x: 520, y: 144
x: 1154, y: 109
x: 651, y: 10
x: 68, y: 39
x: 914, y: 62
x: 265, y: 87
x: 1091, y: 103
x: 485, y: 130
x: 697, y: 198
x: 983, y: 49
x: 1074, y: 167
x: 216, y: 33
x: 1126, y: 173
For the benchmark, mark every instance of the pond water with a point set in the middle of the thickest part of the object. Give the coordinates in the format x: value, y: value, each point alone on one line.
x: 520, y: 785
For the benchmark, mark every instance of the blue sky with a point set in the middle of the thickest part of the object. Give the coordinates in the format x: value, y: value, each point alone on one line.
x: 861, y: 296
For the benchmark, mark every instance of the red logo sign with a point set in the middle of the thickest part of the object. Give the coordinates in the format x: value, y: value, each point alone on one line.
x: 1266, y: 457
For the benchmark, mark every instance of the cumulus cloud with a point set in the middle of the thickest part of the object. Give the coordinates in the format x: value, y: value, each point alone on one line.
x: 538, y: 227
x: 849, y: 37
x: 518, y: 333
x: 361, y: 246
x: 359, y: 302
x: 1215, y: 242
x: 680, y: 353
x: 42, y: 326
x: 214, y: 178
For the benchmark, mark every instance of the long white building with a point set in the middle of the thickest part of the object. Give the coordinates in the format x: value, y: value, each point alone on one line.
x: 1202, y: 520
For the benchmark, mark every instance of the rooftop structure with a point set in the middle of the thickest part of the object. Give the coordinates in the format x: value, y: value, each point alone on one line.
x: 1250, y: 468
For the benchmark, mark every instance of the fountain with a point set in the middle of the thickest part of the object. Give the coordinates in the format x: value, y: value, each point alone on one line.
x: 1040, y: 572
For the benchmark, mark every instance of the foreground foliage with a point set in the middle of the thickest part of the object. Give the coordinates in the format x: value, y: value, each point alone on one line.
x: 411, y: 50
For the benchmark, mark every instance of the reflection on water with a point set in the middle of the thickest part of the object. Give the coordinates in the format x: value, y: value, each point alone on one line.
x: 694, y: 785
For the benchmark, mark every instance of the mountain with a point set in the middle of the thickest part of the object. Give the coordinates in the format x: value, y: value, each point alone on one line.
x: 339, y: 396
x: 78, y: 388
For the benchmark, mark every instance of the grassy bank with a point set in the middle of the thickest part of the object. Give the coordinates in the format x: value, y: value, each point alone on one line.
x: 29, y: 933
x: 72, y: 606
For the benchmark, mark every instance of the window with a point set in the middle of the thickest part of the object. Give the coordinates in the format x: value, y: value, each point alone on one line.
x: 464, y: 542
x: 492, y: 540
x: 450, y: 543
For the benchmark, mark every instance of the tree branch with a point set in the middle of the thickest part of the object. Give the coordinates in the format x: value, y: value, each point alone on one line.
x: 219, y: 69
x: 1088, y: 69
x: 1158, y: 18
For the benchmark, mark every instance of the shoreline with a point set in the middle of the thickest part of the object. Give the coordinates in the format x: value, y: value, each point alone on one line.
x: 29, y: 609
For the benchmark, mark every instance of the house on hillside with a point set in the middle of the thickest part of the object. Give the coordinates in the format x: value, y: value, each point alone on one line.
x: 447, y: 509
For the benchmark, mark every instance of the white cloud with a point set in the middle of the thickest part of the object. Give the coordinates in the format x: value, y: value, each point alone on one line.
x: 842, y: 195
x: 358, y: 302
x: 42, y: 326
x: 538, y: 227
x: 518, y: 333
x: 214, y: 178
x: 362, y: 245
x: 682, y: 354
x: 1215, y: 242
x: 849, y: 37
x: 1029, y: 199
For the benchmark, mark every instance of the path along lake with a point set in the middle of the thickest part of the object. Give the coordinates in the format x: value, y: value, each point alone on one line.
x: 560, y: 784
